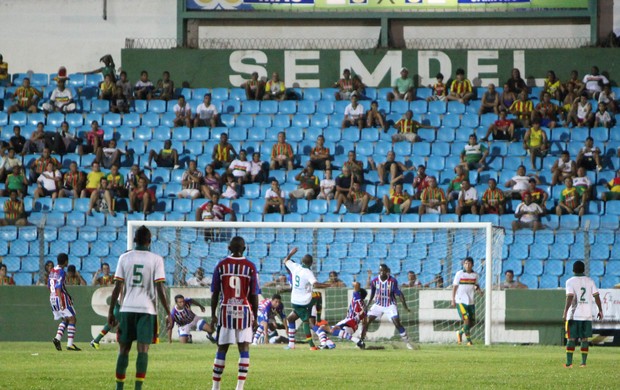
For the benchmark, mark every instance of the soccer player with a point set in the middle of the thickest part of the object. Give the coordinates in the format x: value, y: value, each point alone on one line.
x: 578, y: 312
x: 347, y: 327
x: 106, y: 328
x: 268, y: 309
x: 140, y: 278
x: 384, y: 290
x: 62, y: 304
x: 463, y: 288
x: 236, y: 279
x: 187, y: 320
x: 303, y: 281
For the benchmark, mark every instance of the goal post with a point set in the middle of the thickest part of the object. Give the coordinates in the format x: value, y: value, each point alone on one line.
x: 352, y: 249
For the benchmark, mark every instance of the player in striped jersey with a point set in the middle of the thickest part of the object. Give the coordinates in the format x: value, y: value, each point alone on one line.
x: 268, y: 309
x: 347, y: 327
x: 384, y: 290
x: 463, y: 288
x: 187, y: 320
x: 62, y: 304
x: 236, y: 280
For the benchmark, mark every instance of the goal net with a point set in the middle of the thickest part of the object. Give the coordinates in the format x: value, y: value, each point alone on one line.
x: 433, y: 251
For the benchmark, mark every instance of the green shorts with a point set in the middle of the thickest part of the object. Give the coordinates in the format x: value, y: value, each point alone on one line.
x: 578, y: 329
x: 139, y: 327
x: 303, y: 311
x: 466, y: 312
x: 395, y: 209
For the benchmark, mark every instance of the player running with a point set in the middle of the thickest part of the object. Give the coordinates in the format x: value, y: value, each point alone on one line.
x: 384, y: 290
x: 347, y: 327
x: 187, y: 320
x: 268, y: 309
x: 62, y: 304
x: 106, y: 328
x: 236, y: 279
x: 463, y: 287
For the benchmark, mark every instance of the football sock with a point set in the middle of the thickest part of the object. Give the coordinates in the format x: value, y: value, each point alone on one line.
x: 70, y: 334
x: 218, y: 368
x: 244, y: 366
x: 291, y: 334
x: 142, y: 363
x: 584, y: 352
x: 319, y: 310
x: 308, y: 334
x: 322, y: 335
x: 466, y: 331
x: 258, y: 334
x: 460, y: 330
x: 570, y: 348
x: 342, y: 334
x: 122, y: 361
x: 61, y: 330
x: 273, y: 337
x: 103, y: 332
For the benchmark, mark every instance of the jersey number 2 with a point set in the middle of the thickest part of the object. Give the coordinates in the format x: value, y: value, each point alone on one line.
x: 583, y: 295
x: 137, y: 275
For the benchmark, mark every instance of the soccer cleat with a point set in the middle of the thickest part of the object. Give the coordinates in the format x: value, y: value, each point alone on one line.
x: 361, y: 344
x: 568, y: 365
x: 314, y: 348
x: 73, y: 348
x: 469, y: 343
x: 322, y: 322
x: 94, y: 344
x: 289, y: 347
x: 211, y: 338
x: 254, y: 344
x: 582, y: 365
x: 459, y: 338
x: 57, y: 344
x: 409, y: 346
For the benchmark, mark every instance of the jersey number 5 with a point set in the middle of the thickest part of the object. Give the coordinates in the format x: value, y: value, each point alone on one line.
x: 137, y: 275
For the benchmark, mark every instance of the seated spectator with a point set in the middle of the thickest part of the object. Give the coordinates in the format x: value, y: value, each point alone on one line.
x: 94, y: 139
x: 408, y: 129
x: 489, y: 101
x: 73, y: 277
x: 608, y: 97
x: 510, y: 282
x: 223, y: 153
x: 421, y: 181
x: 474, y: 155
x: 73, y: 182
x: 518, y: 183
x: 199, y: 279
x: 573, y: 200
x: 123, y: 93
x: 334, y: 281
x: 580, y: 114
x: 214, y: 211
x: 412, y: 281
x: 467, y: 200
x: 101, y: 199
x: 356, y: 201
x: 402, y: 88
x: 308, y: 185
x: 165, y: 88
x: 109, y: 155
x: 506, y: 99
x: 589, y: 156
x: 5, y: 280
x: 16, y: 181
x: 327, y: 186
x: 167, y: 157
x: 38, y: 166
x: 65, y: 141
x: 48, y: 183
x: 614, y: 188
x: 26, y: 98
x: 319, y: 155
x: 353, y: 114
x: 280, y: 282
x: 437, y: 282
x: 355, y: 166
x: 5, y: 78
x: 535, y: 142
x: 398, y: 201
x: 551, y: 86
x: 14, y: 213
x: 603, y: 117
x: 274, y: 199
x: 281, y: 154
x: 142, y: 198
x: 594, y: 83
x: 433, y: 199
x: 439, y: 90
x: 240, y: 168
x: 144, y: 87
x: 191, y: 182
x: 393, y: 167
x: 563, y: 168
x: 460, y: 89
x: 344, y: 85
x: 116, y: 183
x: 47, y: 268
x: 546, y: 112
x: 17, y: 141
x: 132, y: 178
x: 454, y: 188
x: 582, y: 180
x: 374, y: 117
x: 274, y: 88
x: 359, y: 87
x: 61, y: 100
x: 103, y: 277
x: 254, y: 88
x: 37, y: 141
x: 183, y: 113
x: 212, y: 182
x: 232, y: 187
x: 258, y: 173
x: 206, y: 113
x: 573, y: 85
x: 515, y: 83
x: 107, y: 88
x: 522, y: 109
x: 344, y: 181
x: 567, y: 103
x: 539, y: 196
x: 492, y: 200
x: 9, y: 161
x: 92, y: 180
x: 528, y: 215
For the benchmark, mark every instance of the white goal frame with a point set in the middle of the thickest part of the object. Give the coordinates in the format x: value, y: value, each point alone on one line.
x: 487, y: 226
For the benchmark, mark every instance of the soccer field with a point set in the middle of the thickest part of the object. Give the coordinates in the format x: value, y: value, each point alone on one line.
x: 40, y: 366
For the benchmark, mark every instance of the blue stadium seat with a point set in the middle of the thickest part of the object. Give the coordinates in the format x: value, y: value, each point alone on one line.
x: 112, y: 120
x: 282, y: 120
x: 181, y: 133
x: 451, y: 121
x: 167, y: 119
x: 437, y: 107
x: 18, y: 119
x: 100, y: 106
x: 231, y: 107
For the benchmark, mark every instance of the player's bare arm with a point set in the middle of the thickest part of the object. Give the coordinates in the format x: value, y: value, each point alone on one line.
x: 196, y: 303
x: 215, y: 298
x: 161, y: 293
x: 290, y: 255
x: 569, y: 301
x: 118, y: 287
x: 404, y: 301
x: 597, y: 299
x: 321, y: 285
x: 253, y: 298
x: 453, y: 303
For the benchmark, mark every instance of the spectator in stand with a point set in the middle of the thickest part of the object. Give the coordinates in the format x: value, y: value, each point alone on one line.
x: 116, y: 183
x: 394, y: 168
x: 402, y: 88
x: 327, y: 186
x: 580, y: 114
x: 334, y: 281
x: 48, y: 182
x: 535, y: 142
x: 420, y: 182
x: 522, y: 109
x: 212, y: 182
x: 73, y: 182
x: 144, y: 87
x: 546, y: 112
x: 319, y: 155
x: 492, y: 200
x: 213, y: 210
x: 183, y: 113
x: 8, y: 162
x: 281, y: 154
x: 519, y: 183
x: 356, y: 201
x: 359, y: 87
x: 563, y: 168
x: 573, y: 85
x: 206, y: 113
x: 107, y: 88
x: 254, y: 88
x: 5, y: 79
x: 16, y: 181
x: 5, y: 280
x: 573, y: 200
x: 17, y: 141
x: 507, y: 98
x: 74, y: 278
x: 608, y: 97
x: 375, y: 118
x: 433, y: 199
x: 92, y: 180
x: 460, y: 89
x: 408, y: 129
x: 510, y: 282
x: 14, y: 213
x: 344, y: 85
x: 467, y: 200
x: 439, y: 89
x: 65, y: 141
x: 280, y: 282
x: 240, y: 168
x: 223, y: 153
x: 589, y: 156
x: 274, y: 88
x: 308, y: 185
x: 108, y: 68
x: 527, y: 215
x: 412, y: 281
x: 167, y: 157
x: 594, y: 83
x: 37, y: 141
x: 567, y: 104
x: 109, y: 155
x: 539, y: 196
x: 101, y: 199
x: 38, y: 166
x: 490, y: 101
x: 165, y: 88
x: 232, y: 187
x: 437, y: 282
x: 26, y: 98
x: 47, y: 268
x: 258, y: 173
x: 552, y: 86
x: 474, y: 155
x: 343, y: 183
x: 199, y: 279
x: 123, y: 93
x: 398, y: 201
x: 604, y: 117
x: 355, y: 166
x: 103, y: 277
x: 502, y: 129
x: 454, y: 187
x: 582, y: 180
x: 94, y: 139
x: 515, y: 83
x: 614, y: 188
x: 61, y: 99
x: 191, y: 181
x: 132, y: 178
x: 141, y: 197
x: 353, y: 114
x: 274, y: 199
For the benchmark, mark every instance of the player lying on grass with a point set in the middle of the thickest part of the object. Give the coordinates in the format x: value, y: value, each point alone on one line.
x: 187, y: 320
x: 347, y: 327
x: 268, y: 309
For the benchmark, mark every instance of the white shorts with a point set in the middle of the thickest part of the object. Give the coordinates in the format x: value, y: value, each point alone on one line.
x: 196, y: 324
x: 378, y: 311
x: 60, y: 314
x: 433, y: 210
x: 234, y: 336
x: 189, y: 193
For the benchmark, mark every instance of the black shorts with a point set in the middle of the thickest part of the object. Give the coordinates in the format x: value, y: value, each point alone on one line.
x: 588, y: 163
x: 318, y: 164
x: 164, y: 162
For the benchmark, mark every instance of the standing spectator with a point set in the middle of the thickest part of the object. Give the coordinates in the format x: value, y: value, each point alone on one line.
x: 563, y: 168
x: 206, y: 113
x: 573, y: 200
x: 421, y: 181
x: 144, y: 87
x: 142, y: 198
x: 37, y: 141
x: 374, y: 117
x: 258, y: 172
x: 603, y: 117
x: 101, y: 199
x: 109, y: 155
x: 460, y: 89
x: 274, y: 88
x: 167, y: 157
x: 522, y: 109
x: 327, y: 186
x: 402, y: 87
x: 26, y: 98
x: 353, y: 114
x: 589, y: 156
x: 474, y: 155
x: 433, y: 199
x: 551, y: 86
x: 510, y: 282
x: 356, y: 201
x: 594, y: 83
x: 48, y: 183
x: 614, y: 188
x: 191, y: 181
x: 439, y: 89
x: 467, y: 200
x: 518, y: 183
x: 408, y: 129
x: 274, y: 199
x: 489, y: 101
x: 535, y: 142
x: 223, y: 152
x: 308, y: 185
x: 94, y: 139
x: 527, y: 215
x: 38, y: 166
x: 580, y: 114
x: 344, y: 85
x: 165, y: 88
x: 343, y: 183
x: 183, y: 113
x: 8, y: 162
x: 212, y: 182
x: 17, y: 141
x: 61, y: 99
x: 515, y: 83
x: 108, y: 68
x: 16, y: 181
x: 546, y: 112
x: 319, y: 155
x: 254, y: 88
x: 492, y: 200
x: 73, y: 182
x: 281, y: 154
x: 14, y: 213
x: 398, y: 201
x: 503, y: 129
x: 240, y: 168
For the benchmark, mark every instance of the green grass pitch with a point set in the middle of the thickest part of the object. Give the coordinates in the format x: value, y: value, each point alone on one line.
x: 36, y: 365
